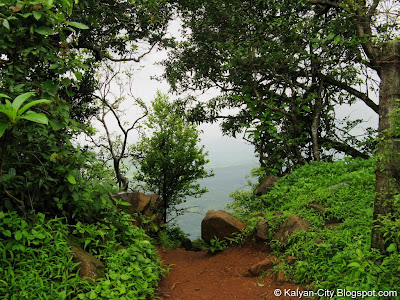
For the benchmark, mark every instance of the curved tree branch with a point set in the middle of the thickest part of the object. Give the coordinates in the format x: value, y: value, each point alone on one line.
x: 364, y: 97
x: 342, y: 147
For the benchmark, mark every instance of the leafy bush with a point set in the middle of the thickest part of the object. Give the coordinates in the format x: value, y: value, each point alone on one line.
x: 132, y: 265
x: 171, y: 237
x: 328, y: 257
x: 36, y: 261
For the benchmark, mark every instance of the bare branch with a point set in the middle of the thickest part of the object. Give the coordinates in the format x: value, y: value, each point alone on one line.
x: 100, y: 55
x: 372, y: 9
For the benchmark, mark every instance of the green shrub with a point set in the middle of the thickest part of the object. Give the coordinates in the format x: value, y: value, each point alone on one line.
x: 171, y: 237
x: 36, y: 261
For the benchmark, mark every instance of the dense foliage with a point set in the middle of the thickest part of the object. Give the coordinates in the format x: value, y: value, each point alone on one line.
x: 329, y: 257
x: 37, y: 261
x: 284, y: 65
x: 54, y: 193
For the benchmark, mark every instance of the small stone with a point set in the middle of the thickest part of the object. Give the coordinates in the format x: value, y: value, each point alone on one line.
x: 186, y: 244
x: 266, y: 185
x: 89, y: 267
x: 290, y: 259
x: 261, y: 267
x: 262, y: 230
x: 317, y: 207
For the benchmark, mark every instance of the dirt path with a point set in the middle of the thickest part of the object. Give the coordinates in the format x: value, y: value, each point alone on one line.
x: 201, y: 276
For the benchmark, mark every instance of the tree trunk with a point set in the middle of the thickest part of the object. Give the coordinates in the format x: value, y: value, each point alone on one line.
x: 165, y: 198
x: 388, y: 148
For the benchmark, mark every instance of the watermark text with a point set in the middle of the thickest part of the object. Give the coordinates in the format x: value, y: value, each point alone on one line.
x: 334, y: 293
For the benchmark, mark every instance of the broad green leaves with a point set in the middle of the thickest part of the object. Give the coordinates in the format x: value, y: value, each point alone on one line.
x: 44, y: 31
x: 14, y: 112
x: 78, y: 25
x: 71, y: 179
x: 6, y: 24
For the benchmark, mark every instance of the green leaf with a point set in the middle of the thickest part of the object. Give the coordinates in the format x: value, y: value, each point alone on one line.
x: 54, y: 66
x: 8, y: 111
x: 92, y: 294
x: 392, y: 247
x: 78, y: 25
x: 354, y: 264
x: 260, y: 284
x: 87, y: 242
x: 30, y: 104
x: 56, y: 125
x: 6, y: 233
x: 71, y: 179
x: 12, y: 172
x: 21, y: 99
x: 125, y: 276
x: 3, y: 128
x: 330, y: 36
x: 50, y: 86
x: 6, y: 24
x: 337, y: 40
x: 78, y: 75
x: 4, y: 96
x: 35, y: 117
x: 18, y: 235
x: 66, y: 82
x: 37, y: 15
x: 44, y: 30
x: 53, y: 156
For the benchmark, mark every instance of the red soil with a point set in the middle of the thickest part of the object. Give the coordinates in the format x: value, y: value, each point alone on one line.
x: 201, y: 276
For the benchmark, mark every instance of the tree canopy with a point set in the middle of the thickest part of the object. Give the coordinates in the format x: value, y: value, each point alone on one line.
x: 285, y: 65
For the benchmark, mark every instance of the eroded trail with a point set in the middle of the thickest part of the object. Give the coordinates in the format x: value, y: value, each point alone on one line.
x: 201, y: 276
